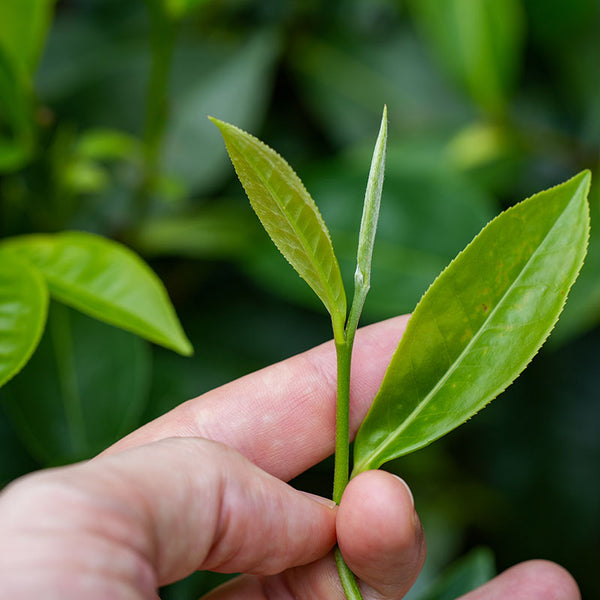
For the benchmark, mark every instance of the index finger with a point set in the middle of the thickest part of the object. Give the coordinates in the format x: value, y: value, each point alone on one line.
x: 282, y: 418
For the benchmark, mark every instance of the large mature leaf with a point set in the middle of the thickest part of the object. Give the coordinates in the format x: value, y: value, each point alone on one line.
x: 105, y: 280
x: 23, y: 307
x: 84, y: 388
x: 479, y: 324
x: 289, y: 215
x: 479, y: 43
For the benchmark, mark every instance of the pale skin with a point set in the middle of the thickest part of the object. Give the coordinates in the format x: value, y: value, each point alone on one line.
x: 203, y: 488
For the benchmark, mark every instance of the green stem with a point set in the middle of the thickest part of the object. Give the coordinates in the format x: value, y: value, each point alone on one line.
x: 347, y: 578
x: 342, y: 449
x: 163, y: 30
x: 344, y: 341
x: 342, y: 423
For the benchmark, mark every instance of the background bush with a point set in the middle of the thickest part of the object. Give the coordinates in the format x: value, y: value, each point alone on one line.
x: 103, y: 128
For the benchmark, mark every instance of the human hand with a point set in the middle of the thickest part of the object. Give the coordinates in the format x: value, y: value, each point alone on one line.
x: 202, y: 488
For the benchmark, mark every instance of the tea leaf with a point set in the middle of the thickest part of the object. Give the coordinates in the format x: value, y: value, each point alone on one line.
x: 479, y: 324
x: 289, y: 215
x: 429, y: 214
x: 368, y: 229
x: 105, y: 280
x: 23, y: 309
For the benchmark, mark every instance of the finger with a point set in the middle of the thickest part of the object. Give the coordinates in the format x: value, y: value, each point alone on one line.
x: 174, y: 506
x: 282, y: 418
x: 532, y: 580
x: 379, y: 533
x: 381, y: 539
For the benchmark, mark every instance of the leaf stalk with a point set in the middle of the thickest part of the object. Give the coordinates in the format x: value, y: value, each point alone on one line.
x: 362, y: 283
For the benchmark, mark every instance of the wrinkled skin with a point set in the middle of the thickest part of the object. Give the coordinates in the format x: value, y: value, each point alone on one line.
x: 203, y: 488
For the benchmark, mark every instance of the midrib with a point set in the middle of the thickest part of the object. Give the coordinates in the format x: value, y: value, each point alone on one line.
x: 320, y: 274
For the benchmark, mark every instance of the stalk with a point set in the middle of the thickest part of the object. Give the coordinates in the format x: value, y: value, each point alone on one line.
x: 362, y: 282
x: 163, y: 30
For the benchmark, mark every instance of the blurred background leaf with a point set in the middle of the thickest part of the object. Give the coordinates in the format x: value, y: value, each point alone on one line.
x: 234, y: 85
x: 477, y: 43
x: 85, y: 387
x: 466, y: 574
x: 23, y: 310
x: 24, y: 25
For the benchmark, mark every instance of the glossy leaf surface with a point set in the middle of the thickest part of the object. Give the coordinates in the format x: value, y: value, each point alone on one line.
x: 479, y: 324
x: 289, y: 215
x: 23, y: 308
x: 107, y: 281
x: 84, y: 388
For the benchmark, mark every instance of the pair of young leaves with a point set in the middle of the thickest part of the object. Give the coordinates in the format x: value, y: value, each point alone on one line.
x: 474, y: 330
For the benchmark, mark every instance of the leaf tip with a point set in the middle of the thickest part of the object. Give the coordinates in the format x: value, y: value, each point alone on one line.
x: 184, y: 346
x: 583, y: 180
x: 216, y: 121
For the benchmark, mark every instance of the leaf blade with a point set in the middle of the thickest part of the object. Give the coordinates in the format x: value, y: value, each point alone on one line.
x: 107, y: 281
x: 289, y: 215
x: 459, y: 351
x: 23, y: 310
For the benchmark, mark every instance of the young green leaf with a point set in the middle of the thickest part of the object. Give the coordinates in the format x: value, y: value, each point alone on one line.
x: 290, y: 217
x: 368, y: 228
x: 104, y: 280
x: 479, y: 324
x: 23, y: 309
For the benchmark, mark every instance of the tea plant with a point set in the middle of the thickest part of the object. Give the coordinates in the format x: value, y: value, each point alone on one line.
x: 472, y: 333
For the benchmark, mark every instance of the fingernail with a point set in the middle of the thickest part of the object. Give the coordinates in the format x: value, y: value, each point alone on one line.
x: 412, y: 498
x: 320, y: 499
